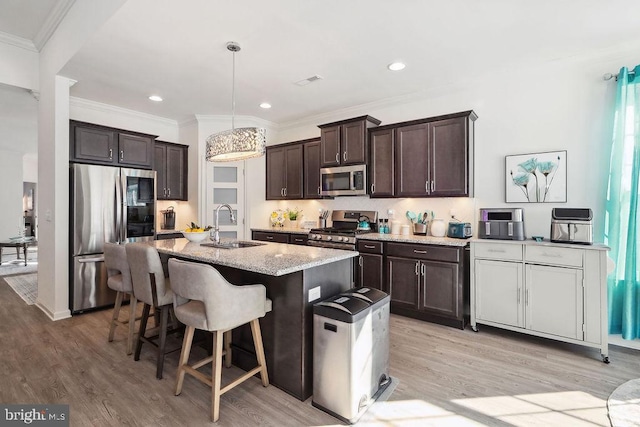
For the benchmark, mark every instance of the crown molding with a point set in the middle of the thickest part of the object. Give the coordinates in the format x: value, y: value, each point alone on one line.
x: 106, y: 108
x: 17, y: 42
x: 227, y: 119
x: 50, y: 25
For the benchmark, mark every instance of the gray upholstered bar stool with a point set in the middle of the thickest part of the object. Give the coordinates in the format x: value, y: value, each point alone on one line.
x: 119, y: 279
x: 153, y: 289
x: 217, y: 306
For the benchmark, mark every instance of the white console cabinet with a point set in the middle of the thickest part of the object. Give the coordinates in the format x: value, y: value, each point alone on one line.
x: 555, y: 291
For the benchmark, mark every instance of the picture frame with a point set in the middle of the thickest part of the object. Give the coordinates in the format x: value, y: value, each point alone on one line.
x: 536, y: 177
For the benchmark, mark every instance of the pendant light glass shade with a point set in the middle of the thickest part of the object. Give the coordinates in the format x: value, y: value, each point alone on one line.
x: 236, y: 144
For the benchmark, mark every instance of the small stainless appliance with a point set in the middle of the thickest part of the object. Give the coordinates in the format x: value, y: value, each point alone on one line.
x: 459, y: 230
x: 344, y: 181
x: 501, y: 223
x: 169, y: 218
x: 346, y: 225
x: 572, y: 225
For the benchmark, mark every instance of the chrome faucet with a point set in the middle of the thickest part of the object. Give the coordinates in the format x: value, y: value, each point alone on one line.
x: 216, y: 228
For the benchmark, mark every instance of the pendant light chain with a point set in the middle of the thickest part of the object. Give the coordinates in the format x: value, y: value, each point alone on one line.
x: 233, y: 92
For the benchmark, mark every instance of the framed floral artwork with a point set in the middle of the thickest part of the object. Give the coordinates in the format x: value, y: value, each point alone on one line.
x: 536, y: 177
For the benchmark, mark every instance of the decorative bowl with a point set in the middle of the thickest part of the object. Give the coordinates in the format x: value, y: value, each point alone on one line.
x: 196, y: 236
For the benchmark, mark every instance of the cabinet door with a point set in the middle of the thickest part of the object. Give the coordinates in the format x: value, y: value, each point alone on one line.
x: 499, y: 288
x: 176, y: 174
x: 381, y: 168
x: 353, y: 143
x: 553, y: 299
x: 293, y: 172
x: 411, y: 162
x: 330, y: 146
x: 160, y: 166
x: 93, y: 145
x: 311, y: 170
x: 402, y: 281
x: 370, y: 271
x: 135, y: 150
x: 439, y: 292
x: 270, y: 237
x: 449, y: 157
x: 275, y: 173
x: 298, y: 239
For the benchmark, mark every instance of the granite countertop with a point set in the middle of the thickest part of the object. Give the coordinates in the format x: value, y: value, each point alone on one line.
x: 411, y: 238
x: 274, y: 259
x: 167, y: 231
x: 282, y: 230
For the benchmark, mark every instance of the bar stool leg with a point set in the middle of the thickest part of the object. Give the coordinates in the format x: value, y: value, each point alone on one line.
x: 164, y: 324
x: 143, y: 329
x: 216, y: 376
x: 133, y: 304
x: 184, y: 357
x: 257, y: 342
x: 115, y: 315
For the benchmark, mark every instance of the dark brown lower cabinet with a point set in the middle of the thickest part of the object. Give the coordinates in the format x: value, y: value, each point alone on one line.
x: 270, y: 237
x: 369, y: 268
x: 427, y: 282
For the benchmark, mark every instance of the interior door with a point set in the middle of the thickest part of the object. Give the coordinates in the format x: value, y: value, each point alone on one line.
x: 225, y: 185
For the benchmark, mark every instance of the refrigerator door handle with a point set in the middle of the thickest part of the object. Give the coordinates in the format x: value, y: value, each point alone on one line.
x: 118, y: 216
x: 96, y: 259
x: 123, y: 208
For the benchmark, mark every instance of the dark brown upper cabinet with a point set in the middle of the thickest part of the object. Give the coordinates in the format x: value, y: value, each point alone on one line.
x: 311, y: 169
x: 284, y: 172
x: 97, y: 144
x: 381, y: 163
x: 345, y: 142
x: 434, y: 157
x: 171, y: 166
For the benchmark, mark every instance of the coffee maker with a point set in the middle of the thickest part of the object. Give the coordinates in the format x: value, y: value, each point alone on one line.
x: 168, y: 218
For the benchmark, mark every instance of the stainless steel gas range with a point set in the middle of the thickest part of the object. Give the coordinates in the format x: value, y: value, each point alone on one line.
x: 346, y: 226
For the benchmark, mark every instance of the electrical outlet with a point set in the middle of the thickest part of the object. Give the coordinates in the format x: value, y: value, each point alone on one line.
x: 452, y: 212
x: 389, y: 211
x: 314, y: 294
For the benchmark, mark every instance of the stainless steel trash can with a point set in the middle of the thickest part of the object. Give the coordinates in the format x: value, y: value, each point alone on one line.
x: 379, y: 303
x: 342, y: 343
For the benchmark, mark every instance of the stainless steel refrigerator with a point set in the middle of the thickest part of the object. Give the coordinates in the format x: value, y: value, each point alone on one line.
x: 108, y: 204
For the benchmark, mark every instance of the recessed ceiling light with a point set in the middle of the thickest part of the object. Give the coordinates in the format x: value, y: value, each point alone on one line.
x: 396, y: 66
x: 155, y: 98
x: 265, y: 105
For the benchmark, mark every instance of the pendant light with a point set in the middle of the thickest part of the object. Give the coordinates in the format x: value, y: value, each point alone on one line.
x: 235, y: 144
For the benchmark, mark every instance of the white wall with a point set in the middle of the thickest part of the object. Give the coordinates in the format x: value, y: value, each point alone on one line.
x: 30, y: 167
x: 19, y: 66
x: 10, y: 194
x: 562, y: 105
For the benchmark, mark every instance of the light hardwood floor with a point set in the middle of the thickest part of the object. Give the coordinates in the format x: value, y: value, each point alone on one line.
x: 446, y: 377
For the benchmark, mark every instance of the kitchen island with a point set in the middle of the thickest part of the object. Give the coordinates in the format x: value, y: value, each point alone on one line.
x: 295, y: 278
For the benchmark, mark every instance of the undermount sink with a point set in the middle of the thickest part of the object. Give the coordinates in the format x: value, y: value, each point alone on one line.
x: 232, y: 244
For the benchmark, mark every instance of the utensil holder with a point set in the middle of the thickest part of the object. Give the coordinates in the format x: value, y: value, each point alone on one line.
x: 419, y: 229
x: 322, y: 222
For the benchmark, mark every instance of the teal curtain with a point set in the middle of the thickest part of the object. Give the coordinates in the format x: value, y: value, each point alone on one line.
x: 622, y: 209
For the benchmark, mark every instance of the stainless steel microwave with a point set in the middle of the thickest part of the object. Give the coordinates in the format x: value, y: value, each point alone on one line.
x: 343, y: 181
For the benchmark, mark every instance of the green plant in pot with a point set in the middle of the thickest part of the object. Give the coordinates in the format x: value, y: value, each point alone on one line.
x: 293, y: 214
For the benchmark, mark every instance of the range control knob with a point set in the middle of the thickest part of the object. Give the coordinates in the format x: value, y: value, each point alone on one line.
x: 329, y: 238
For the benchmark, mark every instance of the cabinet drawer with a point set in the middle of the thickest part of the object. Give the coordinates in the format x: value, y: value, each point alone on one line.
x: 271, y: 237
x: 298, y: 239
x: 431, y: 252
x: 556, y: 256
x: 499, y: 251
x: 369, y: 247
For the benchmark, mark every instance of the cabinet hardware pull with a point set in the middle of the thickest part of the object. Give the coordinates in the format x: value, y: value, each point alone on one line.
x: 415, y: 251
x: 373, y: 188
x: 169, y: 192
x: 344, y: 156
x: 318, y: 190
x: 426, y: 187
x: 433, y: 186
x: 337, y: 157
x: 110, y: 153
x: 360, y: 261
x: 282, y: 192
x: 285, y: 191
x: 165, y: 192
x: 417, y: 266
x: 496, y: 250
x: 423, y: 269
x: 370, y: 246
x: 121, y: 154
x: 270, y: 237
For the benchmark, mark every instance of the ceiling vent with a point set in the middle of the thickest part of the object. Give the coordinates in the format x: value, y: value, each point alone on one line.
x: 309, y: 80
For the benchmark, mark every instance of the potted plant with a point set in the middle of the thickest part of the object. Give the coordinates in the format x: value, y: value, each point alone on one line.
x: 293, y: 215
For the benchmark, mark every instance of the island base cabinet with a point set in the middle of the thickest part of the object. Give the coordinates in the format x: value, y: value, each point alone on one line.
x: 287, y: 331
x: 552, y: 291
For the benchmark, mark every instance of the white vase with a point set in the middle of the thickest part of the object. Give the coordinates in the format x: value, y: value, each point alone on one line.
x: 293, y: 223
x: 438, y: 228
